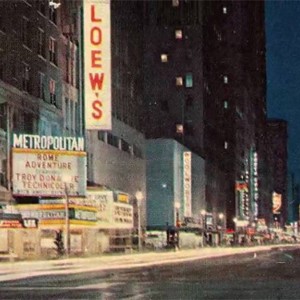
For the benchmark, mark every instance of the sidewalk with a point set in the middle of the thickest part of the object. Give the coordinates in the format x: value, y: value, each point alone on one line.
x: 18, y: 270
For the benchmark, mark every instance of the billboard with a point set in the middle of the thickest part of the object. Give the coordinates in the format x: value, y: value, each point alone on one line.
x: 277, y: 202
x: 111, y: 214
x: 44, y: 173
x: 55, y: 214
x: 97, y: 64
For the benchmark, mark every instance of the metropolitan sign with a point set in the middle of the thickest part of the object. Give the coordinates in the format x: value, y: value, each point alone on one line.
x: 38, y: 170
x: 97, y: 64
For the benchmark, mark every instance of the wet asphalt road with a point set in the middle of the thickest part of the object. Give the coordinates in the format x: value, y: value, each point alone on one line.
x: 267, y: 275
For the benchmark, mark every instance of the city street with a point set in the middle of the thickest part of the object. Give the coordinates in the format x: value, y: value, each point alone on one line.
x: 255, y: 273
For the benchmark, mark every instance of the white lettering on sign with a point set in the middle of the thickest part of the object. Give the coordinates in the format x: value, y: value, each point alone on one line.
x: 97, y: 64
x: 28, y: 141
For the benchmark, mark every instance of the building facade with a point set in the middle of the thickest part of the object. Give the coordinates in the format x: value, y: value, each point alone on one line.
x: 175, y: 185
x: 205, y: 87
x: 277, y: 139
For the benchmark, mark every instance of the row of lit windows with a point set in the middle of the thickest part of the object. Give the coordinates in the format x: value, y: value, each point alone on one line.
x: 188, y: 77
x: 175, y: 3
x: 119, y: 143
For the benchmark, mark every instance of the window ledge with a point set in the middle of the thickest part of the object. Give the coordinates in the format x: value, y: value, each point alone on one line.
x: 41, y: 14
x: 41, y: 57
x: 53, y: 64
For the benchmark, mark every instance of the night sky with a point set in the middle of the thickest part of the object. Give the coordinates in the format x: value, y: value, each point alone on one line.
x: 283, y: 71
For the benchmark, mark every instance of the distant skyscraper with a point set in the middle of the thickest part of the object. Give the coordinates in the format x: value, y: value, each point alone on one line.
x: 277, y: 140
x: 204, y: 86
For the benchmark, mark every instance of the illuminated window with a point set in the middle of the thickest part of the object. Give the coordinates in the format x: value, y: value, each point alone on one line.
x: 224, y: 10
x: 225, y: 145
x: 179, y: 81
x: 179, y: 128
x: 225, y: 104
x: 175, y: 3
x: 52, y: 90
x: 225, y: 79
x: 178, y: 34
x: 164, y: 58
x: 189, y: 80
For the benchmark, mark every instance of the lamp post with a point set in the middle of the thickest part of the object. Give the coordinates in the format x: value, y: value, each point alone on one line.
x: 221, y: 218
x: 177, y: 207
x: 203, y: 213
x: 67, y: 179
x: 67, y: 221
x: 235, y: 230
x: 139, y: 197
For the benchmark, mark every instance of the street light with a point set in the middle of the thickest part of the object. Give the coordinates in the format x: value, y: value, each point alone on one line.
x: 139, y: 197
x: 177, y: 207
x: 66, y: 180
x: 235, y: 219
x: 221, y: 218
x: 67, y: 221
x: 203, y: 213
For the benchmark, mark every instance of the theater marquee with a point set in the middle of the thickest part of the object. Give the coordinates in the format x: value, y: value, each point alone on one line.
x: 40, y: 171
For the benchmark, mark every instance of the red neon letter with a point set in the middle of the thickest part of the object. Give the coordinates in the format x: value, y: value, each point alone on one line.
x: 96, y: 80
x: 97, y: 104
x: 96, y: 59
x: 96, y: 36
x: 93, y: 17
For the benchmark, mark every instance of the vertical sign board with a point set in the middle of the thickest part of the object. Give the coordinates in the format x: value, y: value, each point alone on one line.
x: 241, y: 190
x: 97, y: 64
x: 255, y: 183
x: 187, y: 183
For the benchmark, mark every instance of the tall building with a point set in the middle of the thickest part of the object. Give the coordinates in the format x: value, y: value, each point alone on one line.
x: 31, y: 76
x: 204, y: 86
x: 42, y: 92
x: 116, y: 157
x: 277, y: 140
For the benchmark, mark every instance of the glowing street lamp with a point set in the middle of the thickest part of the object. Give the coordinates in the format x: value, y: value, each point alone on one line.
x: 139, y: 197
x: 203, y: 214
x: 67, y: 179
x: 221, y: 218
x: 177, y: 207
